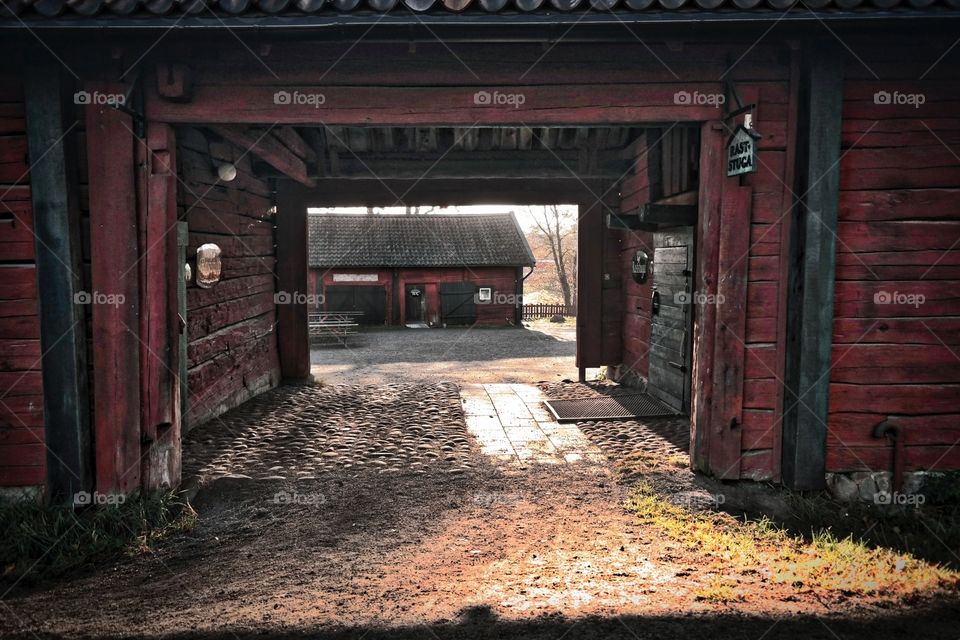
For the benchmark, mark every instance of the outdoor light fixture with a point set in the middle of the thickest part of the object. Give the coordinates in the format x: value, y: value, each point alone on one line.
x: 640, y: 266
x: 227, y: 171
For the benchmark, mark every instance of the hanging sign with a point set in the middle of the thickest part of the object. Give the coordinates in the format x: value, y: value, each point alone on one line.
x: 356, y: 277
x: 741, y: 152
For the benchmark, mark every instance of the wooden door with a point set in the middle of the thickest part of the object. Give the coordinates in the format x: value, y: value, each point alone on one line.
x: 671, y: 325
x: 416, y: 295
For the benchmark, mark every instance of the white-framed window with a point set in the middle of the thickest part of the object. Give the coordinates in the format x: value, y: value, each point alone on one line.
x: 485, y: 294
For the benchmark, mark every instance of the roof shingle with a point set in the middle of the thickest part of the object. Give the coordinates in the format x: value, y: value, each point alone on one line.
x: 481, y: 240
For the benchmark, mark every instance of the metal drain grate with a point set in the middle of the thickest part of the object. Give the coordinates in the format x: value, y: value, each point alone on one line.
x: 638, y: 405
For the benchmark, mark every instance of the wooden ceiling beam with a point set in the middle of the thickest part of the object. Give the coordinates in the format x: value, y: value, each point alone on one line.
x: 267, y: 148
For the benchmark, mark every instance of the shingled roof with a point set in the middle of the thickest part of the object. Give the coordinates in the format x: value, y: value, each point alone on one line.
x: 303, y: 8
x: 480, y: 240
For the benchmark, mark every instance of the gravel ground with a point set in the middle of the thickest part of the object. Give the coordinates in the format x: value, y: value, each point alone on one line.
x: 542, y: 352
x: 457, y: 547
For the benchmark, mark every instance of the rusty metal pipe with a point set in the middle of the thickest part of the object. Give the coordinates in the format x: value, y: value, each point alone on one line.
x: 893, y: 432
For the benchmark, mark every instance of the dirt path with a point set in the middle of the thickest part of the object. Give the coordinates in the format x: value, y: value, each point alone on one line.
x: 458, y: 547
x: 543, y: 352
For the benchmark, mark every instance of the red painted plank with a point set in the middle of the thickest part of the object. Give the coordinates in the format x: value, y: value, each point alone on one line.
x: 705, y: 316
x: 731, y: 321
x: 908, y: 399
x: 114, y: 255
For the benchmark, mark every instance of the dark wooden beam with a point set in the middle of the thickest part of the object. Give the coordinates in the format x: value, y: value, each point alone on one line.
x: 56, y: 220
x: 269, y: 149
x: 812, y: 274
x: 652, y: 216
x: 292, y: 333
x: 470, y: 165
x: 556, y: 104
x: 336, y: 192
x: 590, y: 241
x: 113, y: 267
x: 293, y: 141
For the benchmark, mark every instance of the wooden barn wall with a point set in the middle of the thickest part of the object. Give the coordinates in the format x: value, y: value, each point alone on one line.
x: 635, y: 191
x: 764, y: 336
x: 896, y: 335
x: 232, y: 353
x: 502, y: 279
x: 22, y: 452
x: 319, y: 279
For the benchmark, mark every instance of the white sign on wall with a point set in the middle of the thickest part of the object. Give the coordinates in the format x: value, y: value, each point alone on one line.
x: 356, y: 277
x: 741, y: 153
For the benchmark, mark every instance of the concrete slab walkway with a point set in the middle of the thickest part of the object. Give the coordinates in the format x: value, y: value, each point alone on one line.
x: 513, y: 427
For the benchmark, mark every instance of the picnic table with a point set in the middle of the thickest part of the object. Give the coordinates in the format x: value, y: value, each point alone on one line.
x: 335, y: 326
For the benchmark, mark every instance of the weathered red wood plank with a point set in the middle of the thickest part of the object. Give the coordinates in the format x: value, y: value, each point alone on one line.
x: 21, y: 411
x: 728, y: 383
x: 904, y: 331
x: 23, y: 476
x: 897, y: 299
x: 856, y: 429
x: 710, y: 199
x: 871, y: 458
x: 27, y: 454
x: 907, y: 399
x: 758, y: 465
x: 114, y: 255
x: 759, y: 429
x: 875, y: 364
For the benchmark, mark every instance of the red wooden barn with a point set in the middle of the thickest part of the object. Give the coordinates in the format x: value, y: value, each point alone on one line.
x: 768, y: 191
x: 419, y: 270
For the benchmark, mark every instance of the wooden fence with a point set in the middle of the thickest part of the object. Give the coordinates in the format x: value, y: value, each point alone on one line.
x: 535, y: 311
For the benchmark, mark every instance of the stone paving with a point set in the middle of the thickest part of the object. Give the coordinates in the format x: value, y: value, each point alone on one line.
x: 513, y: 427
x: 302, y: 432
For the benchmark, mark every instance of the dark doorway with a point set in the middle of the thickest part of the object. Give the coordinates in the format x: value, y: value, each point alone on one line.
x: 371, y: 301
x: 458, y: 303
x: 670, y: 329
x: 416, y: 299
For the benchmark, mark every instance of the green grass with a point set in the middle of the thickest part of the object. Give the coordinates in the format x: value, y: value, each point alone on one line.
x: 40, y: 541
x: 822, y: 563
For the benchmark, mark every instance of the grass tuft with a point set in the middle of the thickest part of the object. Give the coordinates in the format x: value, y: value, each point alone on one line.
x: 822, y: 563
x: 40, y: 541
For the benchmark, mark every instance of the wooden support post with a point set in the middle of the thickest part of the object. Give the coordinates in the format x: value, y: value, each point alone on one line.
x: 115, y: 283
x: 813, y: 264
x: 292, y: 332
x: 159, y: 323
x: 56, y: 220
x: 590, y: 239
x: 705, y: 316
x: 726, y: 414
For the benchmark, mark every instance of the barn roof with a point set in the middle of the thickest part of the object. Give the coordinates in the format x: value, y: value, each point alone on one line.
x: 480, y: 240
x: 292, y: 12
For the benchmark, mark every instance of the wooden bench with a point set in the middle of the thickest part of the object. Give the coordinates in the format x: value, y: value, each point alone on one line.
x: 337, y: 327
